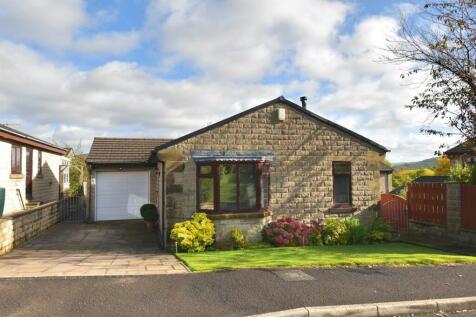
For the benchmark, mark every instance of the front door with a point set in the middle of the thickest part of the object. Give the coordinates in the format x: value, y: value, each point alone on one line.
x: 29, y: 174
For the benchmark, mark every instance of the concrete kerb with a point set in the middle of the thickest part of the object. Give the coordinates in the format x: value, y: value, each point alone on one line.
x: 380, y: 309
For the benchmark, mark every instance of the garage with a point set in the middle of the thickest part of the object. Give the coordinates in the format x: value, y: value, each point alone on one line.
x: 119, y: 195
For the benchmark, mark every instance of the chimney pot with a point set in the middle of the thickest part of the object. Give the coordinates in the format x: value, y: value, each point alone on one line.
x: 303, y: 101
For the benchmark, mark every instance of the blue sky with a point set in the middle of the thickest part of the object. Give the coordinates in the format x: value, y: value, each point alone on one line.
x: 72, y: 70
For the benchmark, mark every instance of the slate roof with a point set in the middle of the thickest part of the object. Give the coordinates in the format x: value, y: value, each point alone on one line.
x: 135, y: 151
x: 385, y: 169
x: 431, y: 179
x: 24, y: 137
x: 463, y: 148
x: 283, y: 100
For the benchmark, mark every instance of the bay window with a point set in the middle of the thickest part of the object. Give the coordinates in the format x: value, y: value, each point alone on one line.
x: 232, y: 186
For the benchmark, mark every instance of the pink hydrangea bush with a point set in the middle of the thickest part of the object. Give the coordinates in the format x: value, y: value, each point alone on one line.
x: 286, y: 232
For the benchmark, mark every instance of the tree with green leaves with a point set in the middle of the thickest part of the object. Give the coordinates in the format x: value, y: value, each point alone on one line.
x: 440, y: 42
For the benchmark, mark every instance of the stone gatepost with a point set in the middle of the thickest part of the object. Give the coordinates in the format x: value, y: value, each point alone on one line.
x: 453, y: 207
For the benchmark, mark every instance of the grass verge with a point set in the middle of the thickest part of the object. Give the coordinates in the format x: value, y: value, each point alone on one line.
x: 265, y: 256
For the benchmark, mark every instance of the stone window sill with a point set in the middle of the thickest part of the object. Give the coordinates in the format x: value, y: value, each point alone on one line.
x: 341, y: 210
x: 240, y: 215
x: 16, y: 176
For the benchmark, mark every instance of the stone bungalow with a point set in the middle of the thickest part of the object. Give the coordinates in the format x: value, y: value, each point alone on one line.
x: 463, y: 153
x: 272, y: 160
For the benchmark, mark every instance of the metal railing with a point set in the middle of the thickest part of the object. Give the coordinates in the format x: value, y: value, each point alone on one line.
x: 73, y: 209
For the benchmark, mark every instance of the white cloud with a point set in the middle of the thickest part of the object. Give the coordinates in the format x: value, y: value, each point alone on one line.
x: 111, y: 43
x: 246, y: 52
x: 46, y: 22
x: 242, y: 39
x: 116, y: 98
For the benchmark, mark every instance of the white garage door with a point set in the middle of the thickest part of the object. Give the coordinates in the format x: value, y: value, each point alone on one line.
x: 119, y: 195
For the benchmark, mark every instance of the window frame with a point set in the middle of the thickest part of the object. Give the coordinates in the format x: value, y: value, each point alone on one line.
x: 215, y: 175
x: 15, y: 161
x: 334, y: 174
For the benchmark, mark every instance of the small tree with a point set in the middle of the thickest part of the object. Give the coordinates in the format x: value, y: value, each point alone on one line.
x: 441, y: 43
x: 443, y: 165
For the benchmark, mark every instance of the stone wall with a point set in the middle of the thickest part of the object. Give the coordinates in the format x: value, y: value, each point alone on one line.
x: 452, y: 231
x: 249, y: 224
x: 23, y: 226
x: 301, y: 174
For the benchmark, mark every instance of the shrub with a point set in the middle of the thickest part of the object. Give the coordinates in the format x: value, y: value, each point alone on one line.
x: 460, y: 174
x: 149, y: 213
x: 238, y: 238
x: 379, y: 231
x: 473, y: 175
x: 357, y: 231
x: 286, y: 232
x: 335, y: 232
x: 315, y: 232
x: 194, y: 235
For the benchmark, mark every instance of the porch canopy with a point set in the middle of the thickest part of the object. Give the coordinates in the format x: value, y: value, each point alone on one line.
x: 233, y: 156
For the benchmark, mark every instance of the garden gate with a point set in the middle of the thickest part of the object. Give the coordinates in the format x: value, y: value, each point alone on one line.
x: 394, y: 211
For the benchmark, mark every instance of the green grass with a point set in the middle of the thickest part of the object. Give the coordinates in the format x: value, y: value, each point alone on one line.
x: 265, y: 256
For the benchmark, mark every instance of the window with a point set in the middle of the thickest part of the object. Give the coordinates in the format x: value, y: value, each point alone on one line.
x: 65, y: 172
x: 341, y: 172
x: 16, y: 159
x: 40, y: 163
x: 232, y: 187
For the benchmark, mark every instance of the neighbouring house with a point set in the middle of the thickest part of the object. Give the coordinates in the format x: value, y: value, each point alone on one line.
x: 273, y: 160
x: 32, y: 171
x: 463, y: 153
x: 385, y: 178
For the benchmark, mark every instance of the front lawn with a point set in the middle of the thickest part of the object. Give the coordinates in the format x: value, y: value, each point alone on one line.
x: 264, y: 256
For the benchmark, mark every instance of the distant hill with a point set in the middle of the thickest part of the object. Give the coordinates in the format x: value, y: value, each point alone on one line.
x: 428, y: 163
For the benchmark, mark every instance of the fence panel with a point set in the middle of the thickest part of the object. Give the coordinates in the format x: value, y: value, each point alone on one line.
x: 468, y: 206
x: 427, y: 203
x: 73, y: 209
x: 394, y: 211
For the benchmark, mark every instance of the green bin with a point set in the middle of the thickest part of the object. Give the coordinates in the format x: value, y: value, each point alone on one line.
x: 2, y: 200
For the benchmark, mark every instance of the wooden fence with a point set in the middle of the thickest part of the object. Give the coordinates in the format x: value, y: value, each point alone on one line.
x: 468, y: 206
x: 394, y: 211
x: 427, y: 203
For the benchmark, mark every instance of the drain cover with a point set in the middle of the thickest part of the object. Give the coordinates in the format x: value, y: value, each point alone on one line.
x: 293, y: 275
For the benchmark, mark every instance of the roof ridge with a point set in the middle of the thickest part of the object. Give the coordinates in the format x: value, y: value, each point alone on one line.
x: 264, y: 105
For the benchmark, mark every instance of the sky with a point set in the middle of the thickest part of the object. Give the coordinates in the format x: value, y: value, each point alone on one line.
x: 73, y: 70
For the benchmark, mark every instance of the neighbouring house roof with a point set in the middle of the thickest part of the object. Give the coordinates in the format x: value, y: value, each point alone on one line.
x: 134, y: 151
x: 385, y: 169
x: 467, y: 147
x: 13, y: 135
x: 282, y: 100
x: 431, y: 179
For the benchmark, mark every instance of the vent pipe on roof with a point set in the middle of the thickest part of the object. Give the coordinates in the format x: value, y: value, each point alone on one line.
x: 303, y: 101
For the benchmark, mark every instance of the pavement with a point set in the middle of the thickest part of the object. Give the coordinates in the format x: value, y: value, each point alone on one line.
x: 100, y: 249
x: 232, y: 293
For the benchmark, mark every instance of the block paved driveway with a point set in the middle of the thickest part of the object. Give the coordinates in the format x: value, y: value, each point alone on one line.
x: 99, y: 249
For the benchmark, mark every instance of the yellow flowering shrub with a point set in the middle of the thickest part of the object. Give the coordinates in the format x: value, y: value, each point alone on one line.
x: 194, y: 235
